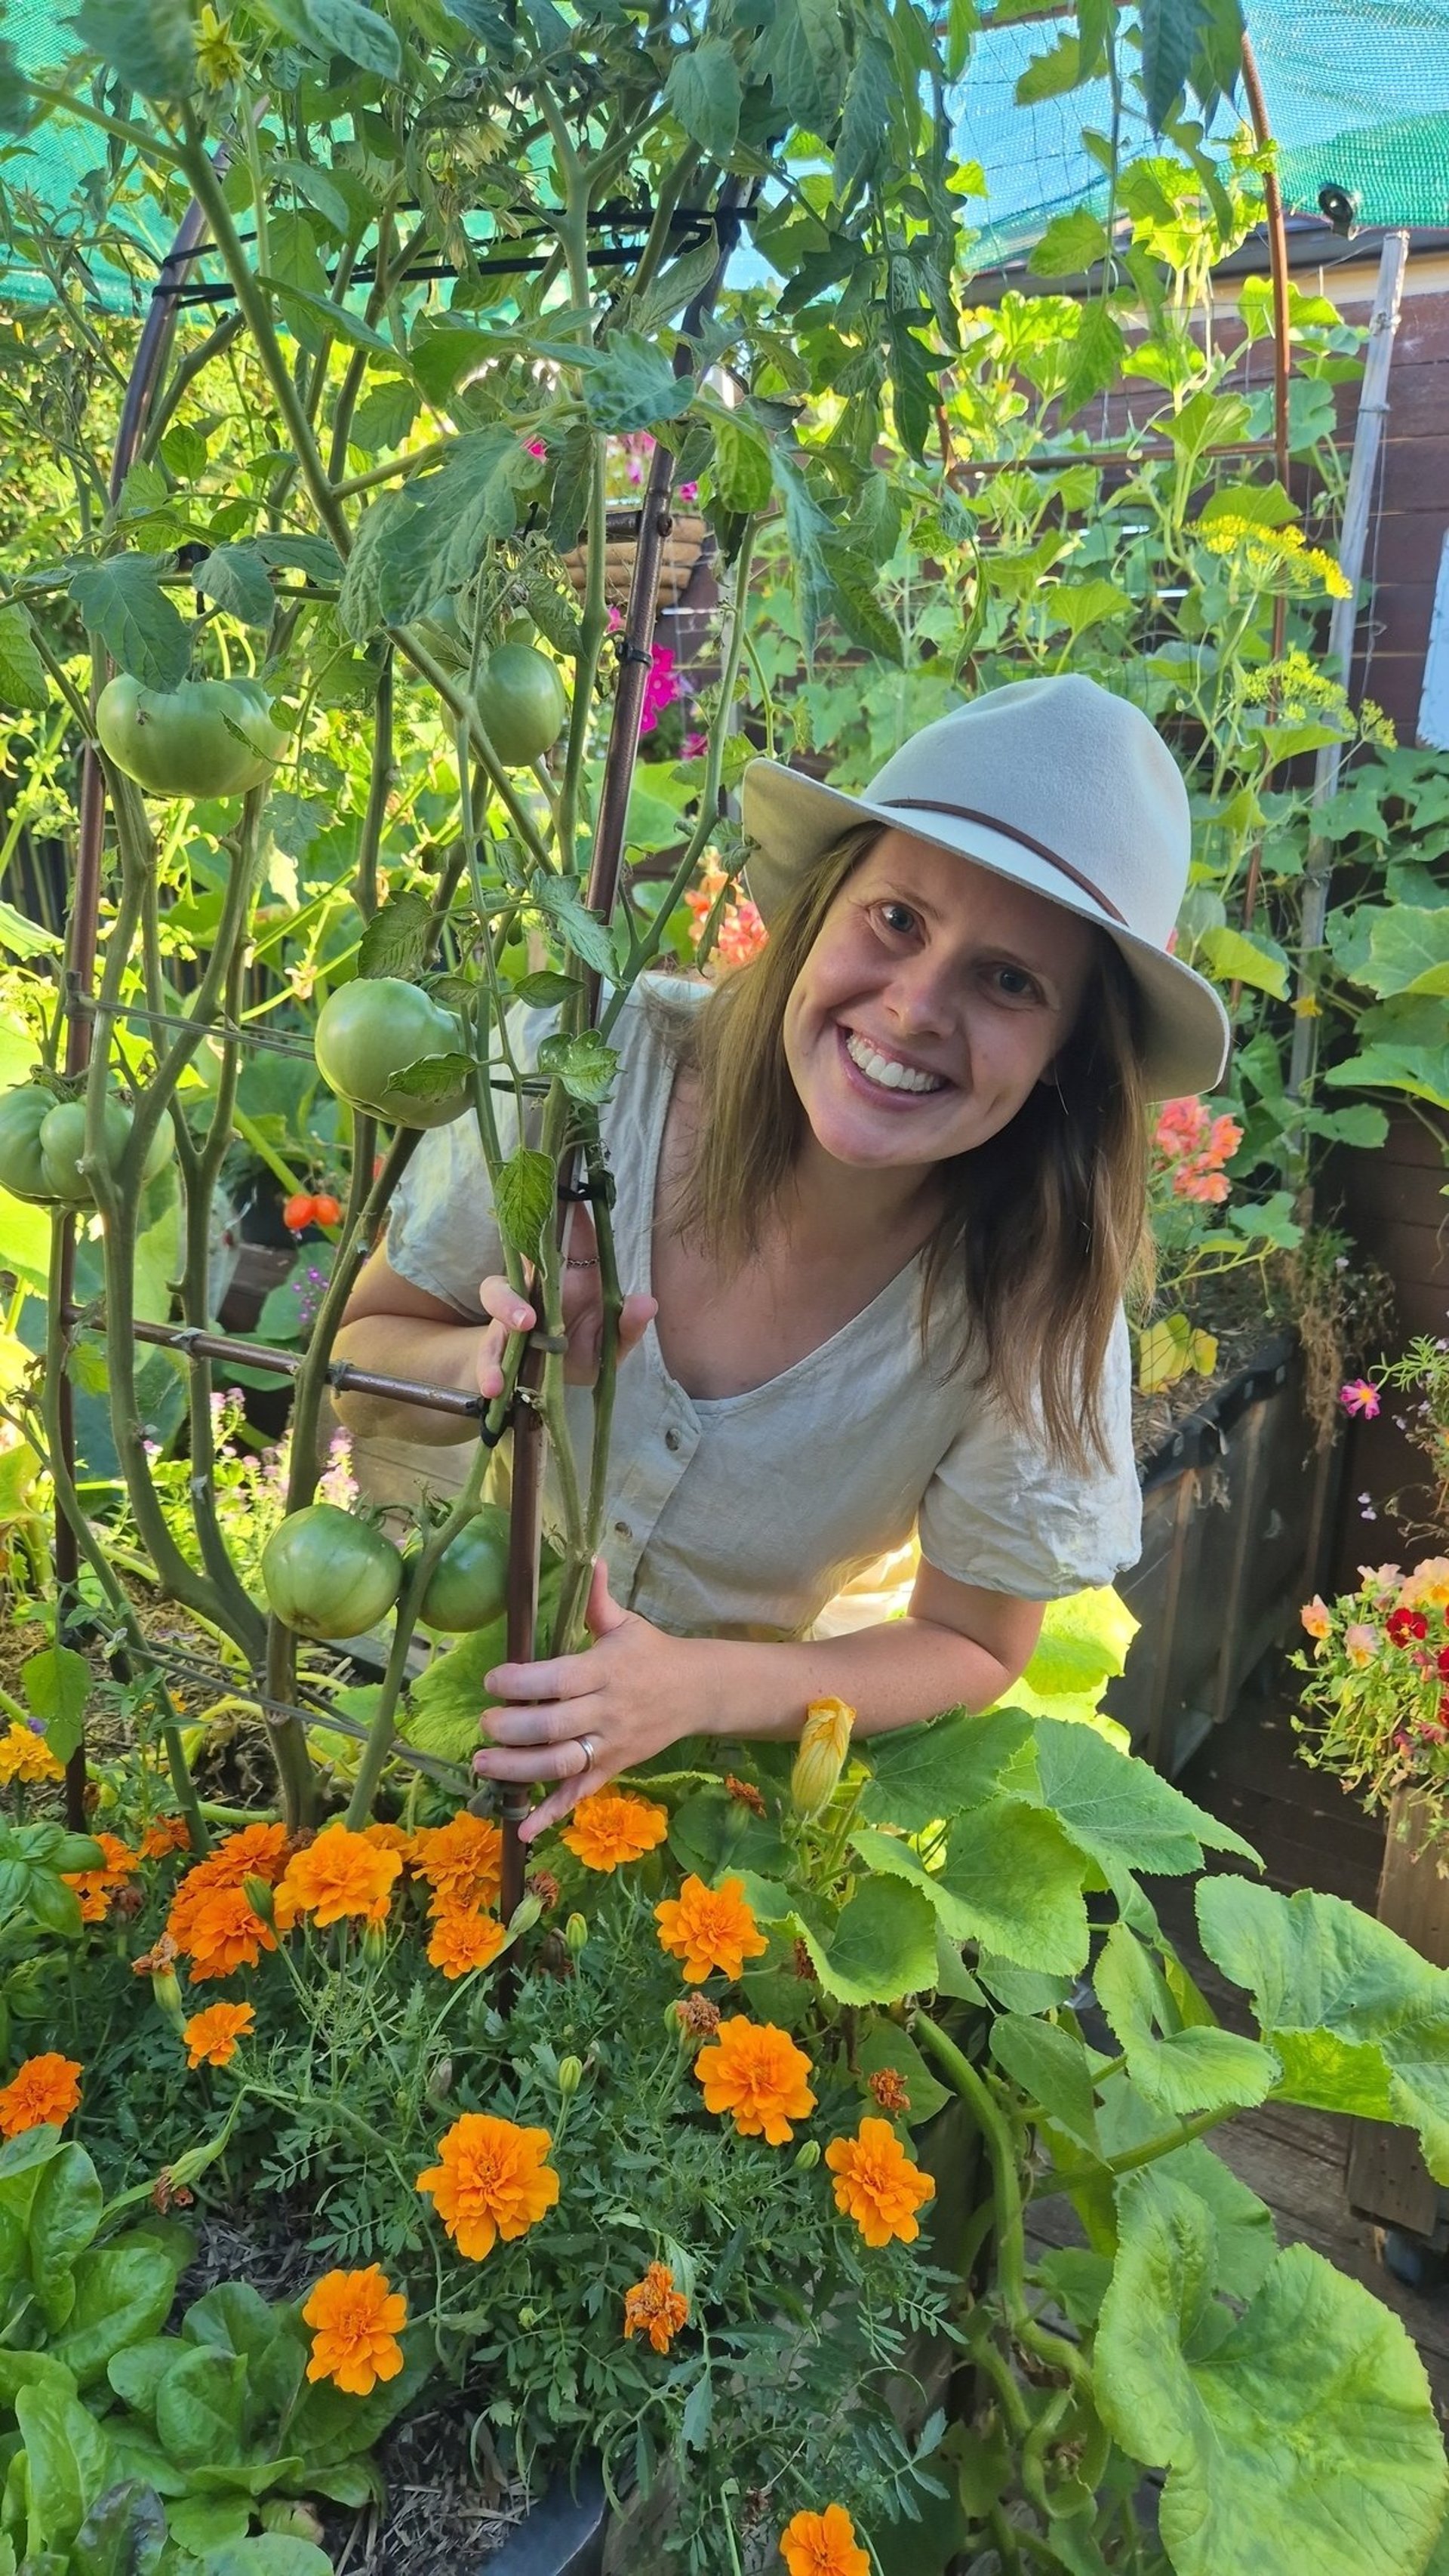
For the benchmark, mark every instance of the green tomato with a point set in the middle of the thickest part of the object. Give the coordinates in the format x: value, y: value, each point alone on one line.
x: 367, y: 1031
x: 522, y: 703
x: 22, y: 1115
x: 205, y: 738
x: 468, y: 1587
x: 63, y: 1143
x: 328, y: 1575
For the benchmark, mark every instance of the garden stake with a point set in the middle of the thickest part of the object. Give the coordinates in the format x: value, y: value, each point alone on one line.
x: 1282, y: 359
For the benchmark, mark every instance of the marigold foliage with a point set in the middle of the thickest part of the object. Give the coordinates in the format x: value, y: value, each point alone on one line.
x: 758, y: 2075
x: 490, y: 2181
x: 40, y: 2094
x: 613, y: 1827
x: 823, y: 2544
x: 876, y: 2183
x: 356, y: 2319
x: 654, y: 2307
x: 211, y: 2036
x: 709, y: 1929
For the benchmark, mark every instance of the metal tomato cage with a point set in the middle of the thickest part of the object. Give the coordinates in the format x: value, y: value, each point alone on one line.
x: 654, y: 523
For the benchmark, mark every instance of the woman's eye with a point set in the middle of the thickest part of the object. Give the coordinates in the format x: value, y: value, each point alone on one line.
x: 898, y: 917
x: 1014, y: 984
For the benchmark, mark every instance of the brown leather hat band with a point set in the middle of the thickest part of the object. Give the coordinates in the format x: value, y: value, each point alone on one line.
x: 1009, y: 832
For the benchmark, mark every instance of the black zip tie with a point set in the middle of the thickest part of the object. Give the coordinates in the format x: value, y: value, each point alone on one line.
x: 600, y: 1191
x: 635, y: 653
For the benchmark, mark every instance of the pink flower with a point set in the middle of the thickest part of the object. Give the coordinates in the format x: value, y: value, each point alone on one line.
x: 661, y: 688
x: 1225, y: 1138
x: 1316, y: 1616
x: 1190, y: 1181
x: 1360, y: 1396
x: 536, y: 447
x: 689, y: 492
x: 1179, y: 1126
x: 1360, y: 1644
x: 694, y: 746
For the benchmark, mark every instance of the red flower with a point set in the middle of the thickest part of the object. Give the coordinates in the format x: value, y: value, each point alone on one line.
x: 1404, y: 1624
x: 1443, y: 1661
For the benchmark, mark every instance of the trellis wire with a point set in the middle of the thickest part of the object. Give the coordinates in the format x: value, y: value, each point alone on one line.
x: 224, y: 1683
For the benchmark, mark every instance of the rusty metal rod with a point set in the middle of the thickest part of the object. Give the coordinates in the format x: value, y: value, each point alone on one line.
x: 278, y: 1363
x: 1282, y: 359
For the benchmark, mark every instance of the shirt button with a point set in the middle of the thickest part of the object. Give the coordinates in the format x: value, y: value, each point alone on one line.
x: 672, y: 1439
x: 622, y: 1530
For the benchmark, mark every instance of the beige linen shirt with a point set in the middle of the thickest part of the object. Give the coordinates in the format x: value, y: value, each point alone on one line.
x: 745, y: 1515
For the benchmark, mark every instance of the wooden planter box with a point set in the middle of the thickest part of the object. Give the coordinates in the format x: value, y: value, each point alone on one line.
x: 1388, y: 2180
x: 1236, y: 1506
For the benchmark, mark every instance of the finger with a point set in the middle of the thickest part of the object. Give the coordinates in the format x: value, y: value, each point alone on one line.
x: 560, y: 1677
x: 490, y: 1360
x: 635, y: 1317
x: 503, y: 1302
x: 553, y: 1809
x: 518, y: 1728
x: 601, y: 1614
x: 566, y: 1761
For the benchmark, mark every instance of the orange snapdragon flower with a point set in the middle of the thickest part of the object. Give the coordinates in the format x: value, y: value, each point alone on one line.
x: 613, y: 1827
x: 463, y: 1940
x: 356, y: 2319
x: 211, y: 2036
x: 709, y: 1928
x: 339, y: 1876
x: 757, y: 2074
x: 40, y: 2094
x: 876, y: 2183
x: 823, y: 2544
x: 95, y: 1887
x: 490, y: 2181
x: 462, y: 1861
x: 654, y: 2307
x: 25, y: 1756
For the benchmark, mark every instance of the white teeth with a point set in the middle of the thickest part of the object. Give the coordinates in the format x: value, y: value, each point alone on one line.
x: 886, y: 1071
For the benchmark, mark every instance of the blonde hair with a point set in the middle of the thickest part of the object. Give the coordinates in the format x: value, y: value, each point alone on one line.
x: 1044, y: 1227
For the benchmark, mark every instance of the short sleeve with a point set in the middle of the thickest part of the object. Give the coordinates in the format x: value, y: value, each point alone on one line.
x: 442, y: 1232
x: 1003, y: 1513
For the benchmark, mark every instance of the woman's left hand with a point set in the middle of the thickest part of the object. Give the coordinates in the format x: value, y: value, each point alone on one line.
x: 581, y: 1719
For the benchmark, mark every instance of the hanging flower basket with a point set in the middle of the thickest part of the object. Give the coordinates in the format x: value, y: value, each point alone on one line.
x: 683, y: 546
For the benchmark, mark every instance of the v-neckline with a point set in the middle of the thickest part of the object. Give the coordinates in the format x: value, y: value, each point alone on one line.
x: 661, y: 1095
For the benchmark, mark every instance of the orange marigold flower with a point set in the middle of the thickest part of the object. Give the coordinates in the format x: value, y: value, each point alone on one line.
x: 823, y: 2544
x: 95, y: 1887
x: 709, y: 1928
x: 757, y: 2074
x: 613, y: 1827
x: 211, y: 2036
x: 462, y: 1860
x: 221, y: 1934
x: 890, y: 2089
x: 340, y: 1875
x: 390, y: 1838
x: 25, y: 1756
x: 356, y: 2319
x: 256, y: 1851
x: 164, y: 1835
x: 490, y: 2181
x: 654, y: 2307
x: 464, y: 1940
x: 40, y: 2094
x: 876, y: 2183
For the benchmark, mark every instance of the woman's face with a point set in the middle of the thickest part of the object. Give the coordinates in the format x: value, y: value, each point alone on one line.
x: 934, y: 999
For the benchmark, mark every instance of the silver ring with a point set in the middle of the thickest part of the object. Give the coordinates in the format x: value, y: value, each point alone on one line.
x: 581, y: 1261
x: 590, y: 1752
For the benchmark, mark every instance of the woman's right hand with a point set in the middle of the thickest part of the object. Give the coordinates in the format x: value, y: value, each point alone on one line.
x: 583, y: 1313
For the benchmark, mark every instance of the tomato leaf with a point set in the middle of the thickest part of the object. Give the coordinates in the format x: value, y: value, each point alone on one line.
x: 524, y: 1199
x: 122, y: 602
x: 148, y: 42
x: 395, y: 941
x: 22, y: 673
x: 584, y: 1065
x: 236, y: 579
x: 706, y: 93
x: 581, y: 929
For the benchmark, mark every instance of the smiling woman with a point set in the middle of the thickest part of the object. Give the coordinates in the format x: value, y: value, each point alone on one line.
x: 878, y: 1200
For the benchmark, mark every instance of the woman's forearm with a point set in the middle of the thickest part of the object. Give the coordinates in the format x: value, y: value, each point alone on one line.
x: 410, y: 1346
x: 892, y: 1675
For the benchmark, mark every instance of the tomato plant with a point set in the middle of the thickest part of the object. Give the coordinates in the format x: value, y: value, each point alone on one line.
x: 371, y: 1031
x: 468, y: 1586
x: 202, y: 738
x: 328, y: 1574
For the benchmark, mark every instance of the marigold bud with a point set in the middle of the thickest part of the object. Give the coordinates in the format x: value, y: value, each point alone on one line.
x: 807, y: 2156
x: 374, y: 1943
x: 527, y: 1912
x: 166, y: 1987
x: 527, y: 2318
x: 824, y: 1743
x: 576, y: 1933
x: 258, y: 1894
x: 440, y: 2082
x: 570, y: 2075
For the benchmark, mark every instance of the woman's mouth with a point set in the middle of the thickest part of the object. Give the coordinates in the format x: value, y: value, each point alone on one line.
x: 884, y: 1075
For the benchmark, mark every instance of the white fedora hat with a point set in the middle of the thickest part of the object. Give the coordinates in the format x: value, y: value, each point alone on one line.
x: 1056, y: 784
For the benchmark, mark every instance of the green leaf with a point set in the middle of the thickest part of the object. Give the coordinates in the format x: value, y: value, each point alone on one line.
x: 1358, y: 2020
x: 64, y: 2217
x: 543, y: 990
x: 418, y: 546
x: 583, y: 931
x: 1419, y: 1071
x: 199, y: 2408
x: 123, y: 2295
x: 124, y: 2533
x: 886, y: 2046
x: 272, y: 2553
x: 1266, y: 505
x: 383, y: 417
x: 122, y: 602
x: 57, y: 1685
x: 1094, y: 359
x: 20, y: 937
x: 743, y: 475
x: 524, y: 1199
x: 1013, y: 1882
x: 358, y: 34
x: 1052, y: 2067
x: 705, y: 92
x: 630, y: 385
x: 882, y: 1946
x: 1078, y: 605
x: 396, y: 941
x: 1050, y: 75
x: 1119, y: 1811
x: 236, y: 578
x: 585, y: 1065
x: 921, y: 1775
x: 1202, y: 2069
x: 203, y: 2523
x: 1072, y: 243
x: 1245, y: 957
x: 148, y: 42
x: 136, y: 2374
x: 871, y: 95
x: 433, y: 1077
x: 67, y: 2459
x: 1408, y: 951
x: 804, y: 52
x: 1302, y: 2437
x: 22, y: 673
x: 714, y: 1834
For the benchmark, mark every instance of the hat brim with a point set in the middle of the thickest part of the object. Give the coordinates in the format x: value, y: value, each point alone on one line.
x: 792, y: 820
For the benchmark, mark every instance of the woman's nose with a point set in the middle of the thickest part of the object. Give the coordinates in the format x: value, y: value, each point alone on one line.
x: 922, y: 997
